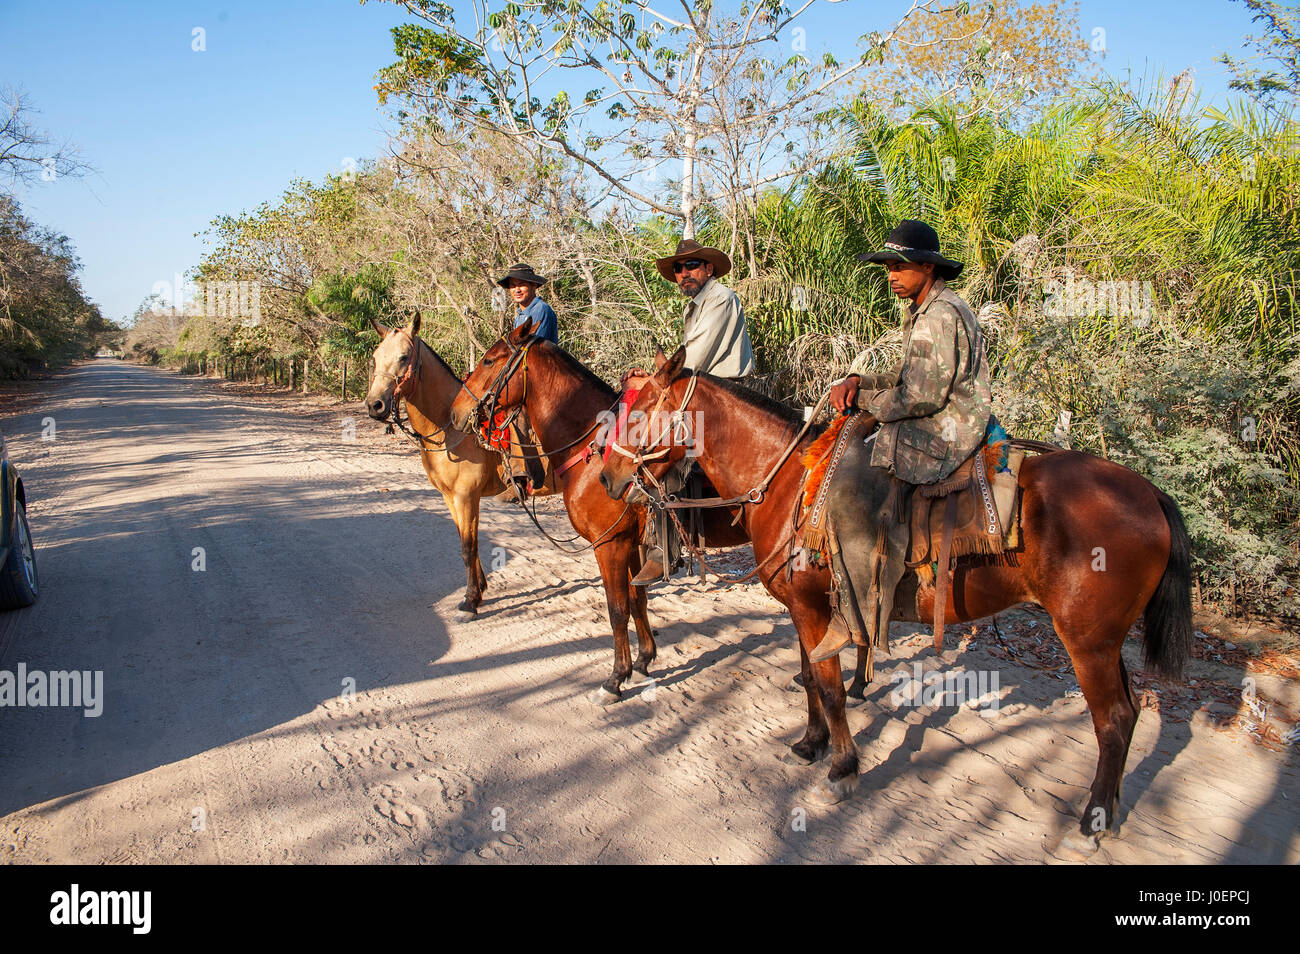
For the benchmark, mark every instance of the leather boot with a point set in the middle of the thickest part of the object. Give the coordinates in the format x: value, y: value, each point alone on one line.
x: 652, y: 568
x: 837, y: 637
x: 516, y: 490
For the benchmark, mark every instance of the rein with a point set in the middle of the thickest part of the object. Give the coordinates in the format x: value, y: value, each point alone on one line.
x: 485, y: 408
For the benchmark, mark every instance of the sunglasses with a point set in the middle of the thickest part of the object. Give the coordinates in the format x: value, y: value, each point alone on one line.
x: 679, y: 267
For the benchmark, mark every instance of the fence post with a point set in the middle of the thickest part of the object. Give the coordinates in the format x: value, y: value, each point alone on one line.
x: 343, y: 388
x: 306, y: 366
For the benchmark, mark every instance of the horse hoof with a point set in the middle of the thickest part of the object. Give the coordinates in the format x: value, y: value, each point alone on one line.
x: 638, y: 678
x: 828, y: 792
x: 795, y: 684
x: 603, y: 697
x: 465, y: 606
x: 1076, y: 846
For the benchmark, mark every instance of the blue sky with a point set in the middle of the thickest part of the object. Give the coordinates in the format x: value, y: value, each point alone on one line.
x: 284, y: 89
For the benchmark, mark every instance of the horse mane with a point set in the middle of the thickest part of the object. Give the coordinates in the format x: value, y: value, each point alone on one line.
x: 577, y: 367
x: 762, y: 402
x: 438, y: 358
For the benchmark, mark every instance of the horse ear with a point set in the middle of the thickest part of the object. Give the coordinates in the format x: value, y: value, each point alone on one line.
x: 522, y: 332
x: 414, y: 328
x: 383, y: 332
x: 660, y: 358
x: 668, y: 370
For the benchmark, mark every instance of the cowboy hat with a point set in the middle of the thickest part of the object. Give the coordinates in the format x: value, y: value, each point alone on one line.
x: 913, y: 241
x: 688, y: 249
x: 523, y: 273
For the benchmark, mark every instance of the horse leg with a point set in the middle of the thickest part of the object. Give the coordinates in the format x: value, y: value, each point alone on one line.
x: 614, y: 558
x: 480, y: 577
x: 816, y: 738
x: 464, y: 511
x: 1105, y: 685
x: 863, y: 672
x: 645, y: 636
x: 811, y: 619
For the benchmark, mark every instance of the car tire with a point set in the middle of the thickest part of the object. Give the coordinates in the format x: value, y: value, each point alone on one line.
x: 18, y: 587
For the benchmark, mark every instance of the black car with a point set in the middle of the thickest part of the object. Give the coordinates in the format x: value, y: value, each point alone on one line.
x: 17, y: 555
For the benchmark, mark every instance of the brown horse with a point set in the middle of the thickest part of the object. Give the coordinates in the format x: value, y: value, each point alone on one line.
x: 406, y: 368
x: 1102, y: 546
x: 570, y: 410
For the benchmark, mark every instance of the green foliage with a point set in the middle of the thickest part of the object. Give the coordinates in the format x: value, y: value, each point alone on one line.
x: 45, y: 318
x: 355, y: 300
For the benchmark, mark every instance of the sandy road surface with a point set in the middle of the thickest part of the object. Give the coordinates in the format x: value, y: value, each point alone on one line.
x: 329, y: 560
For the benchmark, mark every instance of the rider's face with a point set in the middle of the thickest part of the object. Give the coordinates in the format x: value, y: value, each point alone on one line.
x: 521, y: 292
x: 691, y: 280
x: 906, y: 279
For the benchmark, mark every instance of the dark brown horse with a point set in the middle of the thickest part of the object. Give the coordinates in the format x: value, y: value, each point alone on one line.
x: 570, y: 410
x: 1102, y: 546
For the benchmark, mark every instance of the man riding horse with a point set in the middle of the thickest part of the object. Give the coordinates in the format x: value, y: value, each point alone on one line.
x: 717, y: 342
x: 527, y: 472
x: 934, y: 409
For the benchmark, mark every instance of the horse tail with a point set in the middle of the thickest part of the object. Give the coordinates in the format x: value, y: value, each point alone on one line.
x: 1168, y: 615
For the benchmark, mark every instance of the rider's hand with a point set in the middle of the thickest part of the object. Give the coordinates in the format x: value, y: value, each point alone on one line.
x: 629, y: 375
x: 843, y: 394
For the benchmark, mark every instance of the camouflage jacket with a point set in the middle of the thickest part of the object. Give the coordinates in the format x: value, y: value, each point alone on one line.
x: 935, y: 413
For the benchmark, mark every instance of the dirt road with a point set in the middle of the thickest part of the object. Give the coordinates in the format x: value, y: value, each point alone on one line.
x: 227, y: 733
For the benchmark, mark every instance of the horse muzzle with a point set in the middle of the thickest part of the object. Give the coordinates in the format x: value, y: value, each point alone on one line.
x: 614, y: 486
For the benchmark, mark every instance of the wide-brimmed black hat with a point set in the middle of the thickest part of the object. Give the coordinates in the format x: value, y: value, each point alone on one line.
x: 913, y: 241
x: 522, y: 272
x: 688, y: 249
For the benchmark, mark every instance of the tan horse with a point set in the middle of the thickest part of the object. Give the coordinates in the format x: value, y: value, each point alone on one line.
x: 462, y: 471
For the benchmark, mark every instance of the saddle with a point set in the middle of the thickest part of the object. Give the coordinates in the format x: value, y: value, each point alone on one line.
x: 962, y: 515
x: 975, y: 511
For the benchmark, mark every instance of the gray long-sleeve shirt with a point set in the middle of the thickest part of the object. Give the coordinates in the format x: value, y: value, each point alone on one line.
x: 714, y: 332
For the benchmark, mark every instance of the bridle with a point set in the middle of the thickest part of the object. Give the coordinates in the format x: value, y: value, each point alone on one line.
x: 676, y: 425
x: 663, y: 500
x: 485, y: 406
x: 643, y: 454
x: 409, y: 376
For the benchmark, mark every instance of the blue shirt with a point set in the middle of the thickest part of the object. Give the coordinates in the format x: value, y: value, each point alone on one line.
x: 544, y: 316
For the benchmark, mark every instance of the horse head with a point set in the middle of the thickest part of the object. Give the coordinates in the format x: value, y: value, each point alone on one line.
x: 651, y: 443
x: 498, y: 383
x: 395, y: 366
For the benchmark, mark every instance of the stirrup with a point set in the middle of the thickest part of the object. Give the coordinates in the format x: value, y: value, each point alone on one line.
x: 516, y: 491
